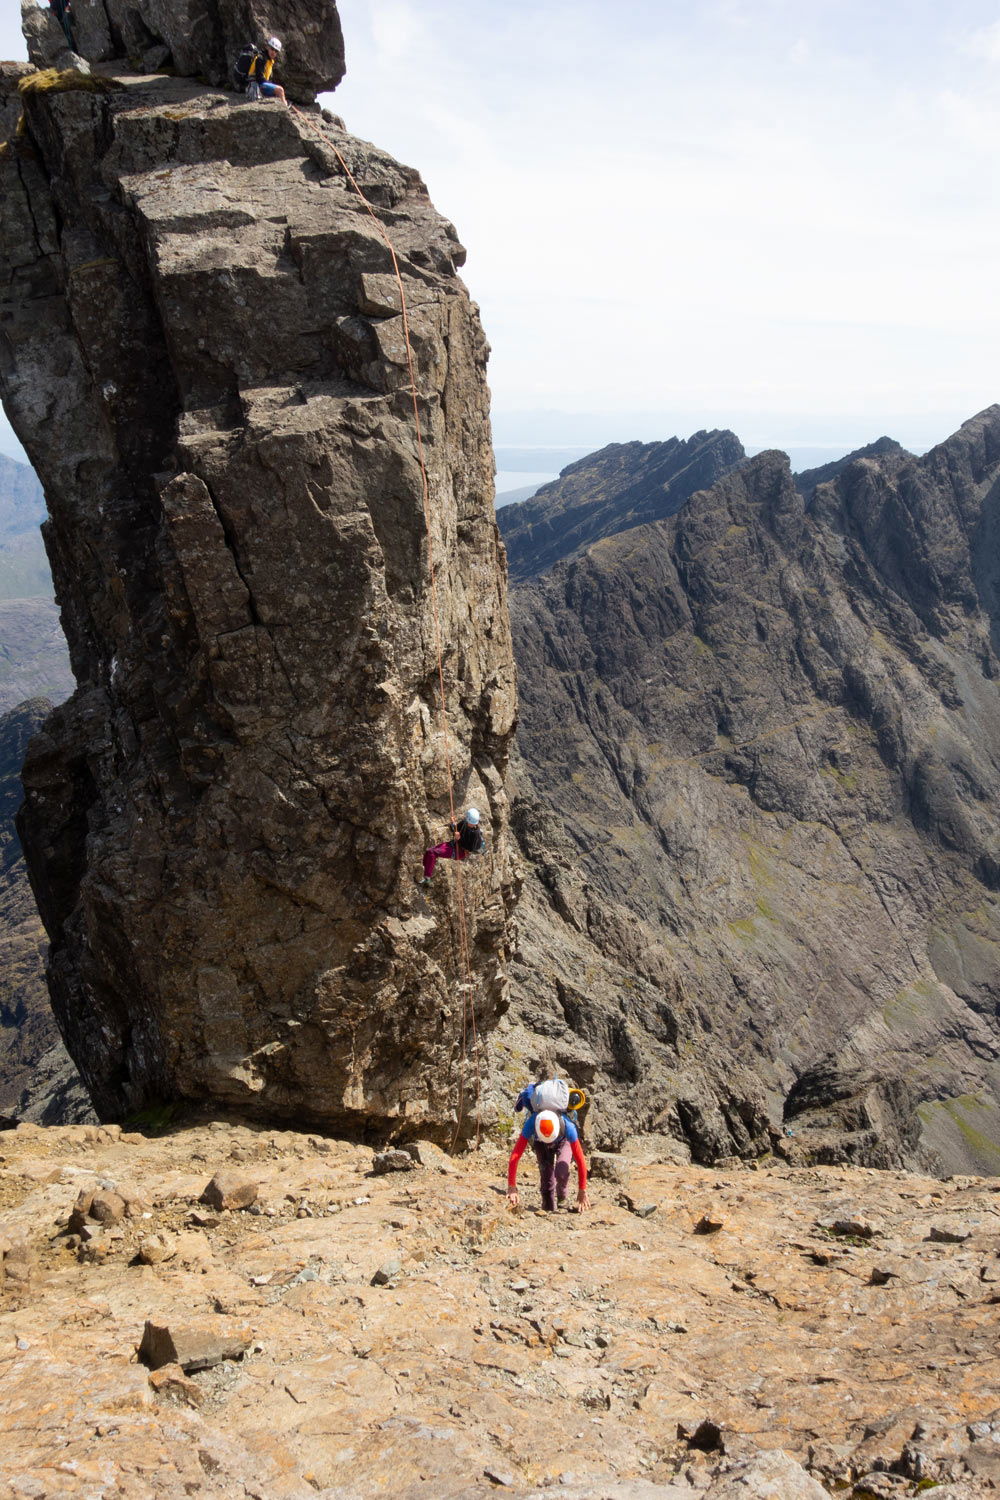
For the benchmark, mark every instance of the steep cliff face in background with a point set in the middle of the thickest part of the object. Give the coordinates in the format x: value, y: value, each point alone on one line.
x: 37, y: 1079
x: 203, y: 355
x: 33, y: 659
x: 625, y: 484
x: 766, y: 732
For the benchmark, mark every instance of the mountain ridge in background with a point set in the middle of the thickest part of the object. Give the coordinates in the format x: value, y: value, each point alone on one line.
x: 33, y: 657
x: 759, y: 780
x: 623, y: 484
x: 37, y: 1079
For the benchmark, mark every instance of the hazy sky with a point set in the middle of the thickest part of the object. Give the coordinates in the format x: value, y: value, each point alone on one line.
x: 781, y: 217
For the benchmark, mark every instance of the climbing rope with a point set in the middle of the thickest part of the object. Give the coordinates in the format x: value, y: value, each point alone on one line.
x: 467, y: 989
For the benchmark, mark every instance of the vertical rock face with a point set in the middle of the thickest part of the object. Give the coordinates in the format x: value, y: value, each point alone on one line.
x: 203, y: 354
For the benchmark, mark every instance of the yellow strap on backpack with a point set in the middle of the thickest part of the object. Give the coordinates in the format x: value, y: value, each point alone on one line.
x: 577, y: 1099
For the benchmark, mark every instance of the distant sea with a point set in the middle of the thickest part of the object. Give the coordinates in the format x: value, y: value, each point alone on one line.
x: 513, y: 483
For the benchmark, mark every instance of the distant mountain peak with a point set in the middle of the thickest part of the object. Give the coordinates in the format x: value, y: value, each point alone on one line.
x: 620, y: 486
x: 882, y: 448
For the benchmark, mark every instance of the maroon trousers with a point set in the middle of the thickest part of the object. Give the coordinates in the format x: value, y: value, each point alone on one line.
x: 553, y: 1172
x: 442, y: 851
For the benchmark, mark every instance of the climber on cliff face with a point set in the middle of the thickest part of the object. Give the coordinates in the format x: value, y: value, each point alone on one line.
x: 556, y: 1141
x: 466, y: 838
x: 259, y: 85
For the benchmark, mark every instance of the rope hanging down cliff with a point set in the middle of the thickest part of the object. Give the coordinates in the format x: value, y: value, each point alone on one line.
x: 467, y: 988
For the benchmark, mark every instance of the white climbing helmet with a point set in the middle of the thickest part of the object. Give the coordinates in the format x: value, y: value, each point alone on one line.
x: 274, y: 44
x: 472, y: 816
x: 548, y: 1127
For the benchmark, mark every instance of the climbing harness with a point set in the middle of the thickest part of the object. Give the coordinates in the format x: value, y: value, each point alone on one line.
x: 466, y: 989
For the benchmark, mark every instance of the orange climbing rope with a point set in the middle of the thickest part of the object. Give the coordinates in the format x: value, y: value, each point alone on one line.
x: 468, y: 987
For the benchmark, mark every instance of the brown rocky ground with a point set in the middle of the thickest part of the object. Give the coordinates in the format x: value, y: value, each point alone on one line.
x: 656, y: 1346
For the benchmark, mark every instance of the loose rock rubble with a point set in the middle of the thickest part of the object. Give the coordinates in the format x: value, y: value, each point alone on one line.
x: 407, y: 1335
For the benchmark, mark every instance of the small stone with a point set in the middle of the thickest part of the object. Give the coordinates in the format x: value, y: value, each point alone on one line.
x: 155, y: 1248
x: 199, y: 1220
x: 392, y: 1161
x: 80, y: 1212
x: 520, y: 1286
x: 171, y: 1381
x: 107, y: 1208
x: 880, y: 1277
x: 707, y: 1225
x: 227, y: 1190
x: 855, y: 1228
x: 386, y: 1273
x: 194, y: 1346
x: 500, y: 1476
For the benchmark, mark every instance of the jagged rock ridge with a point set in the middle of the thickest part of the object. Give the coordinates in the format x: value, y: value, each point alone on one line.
x: 770, y: 729
x: 884, y: 448
x: 624, y: 484
x: 204, y: 360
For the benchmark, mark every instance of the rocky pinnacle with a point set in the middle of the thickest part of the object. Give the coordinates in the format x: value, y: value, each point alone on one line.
x: 203, y: 355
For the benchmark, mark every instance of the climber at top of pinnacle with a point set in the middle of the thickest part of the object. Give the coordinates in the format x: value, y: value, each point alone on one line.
x: 259, y: 67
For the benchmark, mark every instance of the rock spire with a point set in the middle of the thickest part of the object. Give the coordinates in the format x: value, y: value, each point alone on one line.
x: 204, y: 356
